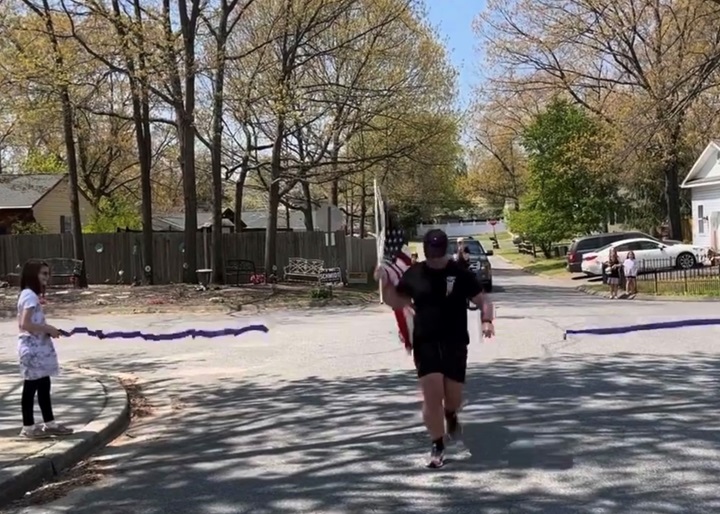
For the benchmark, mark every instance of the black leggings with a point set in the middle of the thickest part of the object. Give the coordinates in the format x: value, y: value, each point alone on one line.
x: 42, y: 387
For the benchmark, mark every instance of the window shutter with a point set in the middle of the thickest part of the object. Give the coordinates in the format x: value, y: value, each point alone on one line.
x: 62, y: 224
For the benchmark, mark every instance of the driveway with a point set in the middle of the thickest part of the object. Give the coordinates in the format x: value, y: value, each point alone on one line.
x: 322, y: 415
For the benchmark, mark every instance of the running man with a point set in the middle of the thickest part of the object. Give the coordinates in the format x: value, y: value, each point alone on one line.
x: 437, y: 289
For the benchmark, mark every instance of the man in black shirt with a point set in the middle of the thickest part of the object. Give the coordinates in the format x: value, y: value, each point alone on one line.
x: 438, y: 289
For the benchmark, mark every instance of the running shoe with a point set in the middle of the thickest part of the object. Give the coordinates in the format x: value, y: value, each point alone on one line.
x: 34, y: 432
x: 437, y: 457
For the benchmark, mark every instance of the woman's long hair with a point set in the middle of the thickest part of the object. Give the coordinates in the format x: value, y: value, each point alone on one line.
x: 613, y: 259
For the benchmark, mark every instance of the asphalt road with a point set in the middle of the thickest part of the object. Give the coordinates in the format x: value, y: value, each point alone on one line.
x: 322, y: 415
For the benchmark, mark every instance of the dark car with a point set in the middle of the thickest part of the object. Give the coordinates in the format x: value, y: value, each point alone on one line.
x: 587, y: 244
x: 479, y: 261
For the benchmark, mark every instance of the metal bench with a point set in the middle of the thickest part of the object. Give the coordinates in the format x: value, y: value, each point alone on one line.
x: 64, y: 267
x: 241, y: 268
x: 304, y: 269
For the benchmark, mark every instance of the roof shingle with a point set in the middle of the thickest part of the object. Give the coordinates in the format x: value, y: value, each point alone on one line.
x: 24, y: 191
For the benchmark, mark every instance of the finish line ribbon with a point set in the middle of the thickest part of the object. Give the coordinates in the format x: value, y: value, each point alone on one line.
x: 647, y: 326
x: 173, y: 336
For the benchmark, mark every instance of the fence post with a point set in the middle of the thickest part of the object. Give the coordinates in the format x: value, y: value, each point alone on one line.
x: 685, y: 282
x: 534, y: 252
x: 655, y: 279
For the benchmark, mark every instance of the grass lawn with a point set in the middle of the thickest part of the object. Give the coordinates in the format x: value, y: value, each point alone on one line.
x: 550, y: 267
x: 507, y: 250
x: 539, y: 264
x: 709, y: 287
x: 706, y: 286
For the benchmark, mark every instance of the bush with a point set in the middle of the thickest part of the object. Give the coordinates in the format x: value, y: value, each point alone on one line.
x: 22, y: 227
x: 321, y: 293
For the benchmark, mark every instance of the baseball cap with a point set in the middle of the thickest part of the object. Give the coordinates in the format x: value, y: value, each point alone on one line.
x: 435, y: 244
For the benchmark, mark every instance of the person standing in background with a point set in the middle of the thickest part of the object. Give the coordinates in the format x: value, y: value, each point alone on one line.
x: 630, y: 269
x: 612, y: 271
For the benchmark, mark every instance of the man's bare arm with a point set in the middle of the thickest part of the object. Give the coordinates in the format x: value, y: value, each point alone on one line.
x: 391, y: 296
x: 487, y: 309
x: 394, y: 299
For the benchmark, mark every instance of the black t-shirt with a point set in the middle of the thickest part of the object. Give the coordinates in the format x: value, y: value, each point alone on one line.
x: 440, y: 300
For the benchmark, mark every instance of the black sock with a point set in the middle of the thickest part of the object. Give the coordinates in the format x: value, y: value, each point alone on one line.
x: 451, y: 419
x: 439, y: 444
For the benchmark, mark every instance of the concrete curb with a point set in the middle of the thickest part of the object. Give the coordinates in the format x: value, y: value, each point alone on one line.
x: 652, y: 298
x: 36, y: 469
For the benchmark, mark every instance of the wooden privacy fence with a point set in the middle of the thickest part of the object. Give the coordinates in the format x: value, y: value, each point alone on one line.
x: 106, y: 255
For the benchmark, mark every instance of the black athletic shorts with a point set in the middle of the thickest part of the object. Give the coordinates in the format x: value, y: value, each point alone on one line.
x: 448, y: 359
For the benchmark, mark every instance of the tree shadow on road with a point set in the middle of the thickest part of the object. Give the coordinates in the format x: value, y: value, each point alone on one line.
x: 629, y: 433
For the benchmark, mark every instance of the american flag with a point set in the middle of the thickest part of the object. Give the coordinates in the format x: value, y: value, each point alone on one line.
x: 395, y: 259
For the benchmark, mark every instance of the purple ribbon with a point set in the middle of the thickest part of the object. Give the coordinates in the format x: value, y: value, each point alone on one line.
x: 647, y: 326
x: 173, y: 336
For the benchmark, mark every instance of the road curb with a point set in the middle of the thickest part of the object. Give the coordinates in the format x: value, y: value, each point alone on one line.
x: 652, y: 298
x: 36, y: 469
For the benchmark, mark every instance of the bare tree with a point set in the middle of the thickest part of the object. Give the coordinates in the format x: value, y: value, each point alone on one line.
x: 61, y: 88
x: 664, y: 54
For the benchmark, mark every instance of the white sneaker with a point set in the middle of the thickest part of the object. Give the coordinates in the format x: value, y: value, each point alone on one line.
x: 34, y: 432
x: 53, y: 428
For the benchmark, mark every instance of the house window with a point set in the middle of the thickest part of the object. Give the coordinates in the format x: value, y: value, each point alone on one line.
x: 700, y: 220
x: 65, y: 224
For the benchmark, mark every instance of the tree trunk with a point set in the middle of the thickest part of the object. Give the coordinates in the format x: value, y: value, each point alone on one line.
x: 334, y: 155
x: 136, y: 66
x: 271, y: 229
x: 185, y: 113
x: 68, y: 132
x: 187, y: 164
x: 69, y: 136
x: 216, y: 156
x: 363, y: 208
x: 239, y: 188
x: 144, y: 142
x: 143, y: 138
x: 350, y: 217
x: 672, y: 185
x: 335, y: 192
x: 270, y: 261
x: 307, y: 208
x: 672, y: 199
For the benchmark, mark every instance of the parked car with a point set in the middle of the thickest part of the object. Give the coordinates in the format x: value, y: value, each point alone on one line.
x: 479, y: 261
x: 649, y: 253
x: 587, y: 244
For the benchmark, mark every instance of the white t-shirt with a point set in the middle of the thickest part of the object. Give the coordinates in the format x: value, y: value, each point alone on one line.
x: 29, y: 300
x: 630, y: 267
x: 36, y: 352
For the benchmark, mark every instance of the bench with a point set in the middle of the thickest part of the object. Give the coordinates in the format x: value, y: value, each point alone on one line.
x: 303, y: 269
x: 241, y: 268
x: 64, y: 267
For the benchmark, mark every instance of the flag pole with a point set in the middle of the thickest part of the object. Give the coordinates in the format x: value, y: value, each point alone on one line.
x: 378, y: 230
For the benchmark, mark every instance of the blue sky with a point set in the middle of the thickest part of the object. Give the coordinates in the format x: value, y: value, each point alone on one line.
x: 453, y: 19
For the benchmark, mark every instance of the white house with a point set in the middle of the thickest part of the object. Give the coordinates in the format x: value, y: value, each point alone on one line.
x: 703, y: 181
